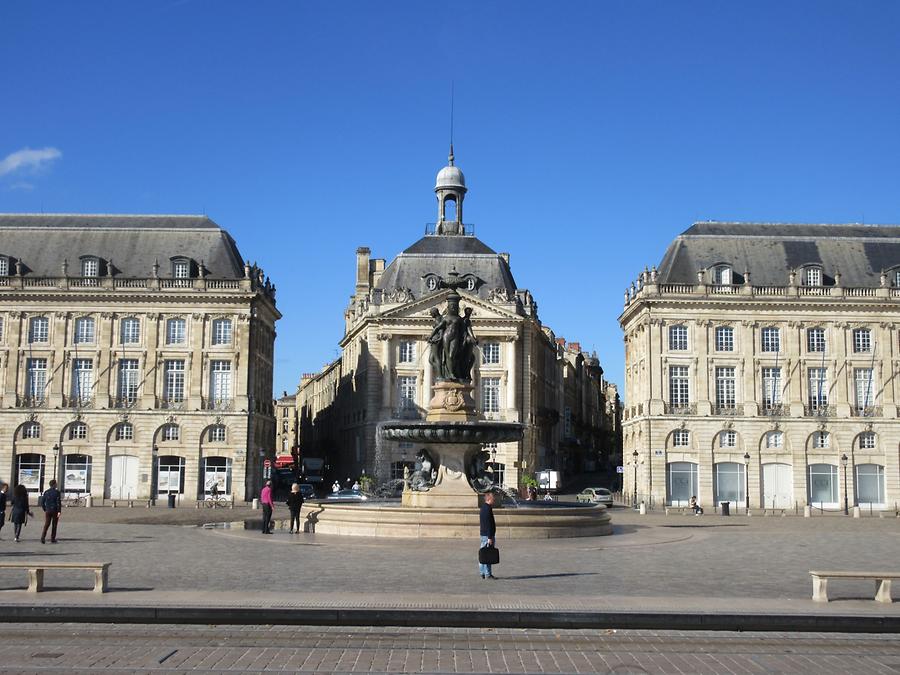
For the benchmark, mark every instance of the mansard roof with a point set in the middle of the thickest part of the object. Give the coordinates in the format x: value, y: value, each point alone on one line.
x: 770, y: 250
x: 132, y: 242
x: 441, y: 254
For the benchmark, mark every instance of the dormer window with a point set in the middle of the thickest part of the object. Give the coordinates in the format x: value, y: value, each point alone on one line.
x: 90, y: 267
x: 431, y: 282
x: 813, y: 276
x: 722, y: 275
x: 896, y: 276
x: 4, y: 266
x: 181, y: 269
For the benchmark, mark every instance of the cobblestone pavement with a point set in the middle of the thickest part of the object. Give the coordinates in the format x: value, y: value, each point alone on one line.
x: 29, y: 648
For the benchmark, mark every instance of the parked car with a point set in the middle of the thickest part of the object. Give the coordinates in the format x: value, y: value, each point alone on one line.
x: 346, y: 496
x: 596, y: 495
x: 307, y: 491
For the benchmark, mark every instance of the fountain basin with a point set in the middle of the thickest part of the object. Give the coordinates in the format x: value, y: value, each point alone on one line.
x: 420, y: 431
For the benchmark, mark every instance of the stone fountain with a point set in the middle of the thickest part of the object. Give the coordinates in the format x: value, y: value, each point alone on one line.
x: 438, y: 498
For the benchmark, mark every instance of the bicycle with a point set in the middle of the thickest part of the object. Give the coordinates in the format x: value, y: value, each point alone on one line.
x: 218, y: 502
x: 75, y: 499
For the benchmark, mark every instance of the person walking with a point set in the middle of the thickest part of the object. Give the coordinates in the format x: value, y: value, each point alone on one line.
x: 265, y: 498
x: 51, y: 502
x: 488, y: 531
x: 294, y: 502
x: 3, y: 488
x: 20, y: 510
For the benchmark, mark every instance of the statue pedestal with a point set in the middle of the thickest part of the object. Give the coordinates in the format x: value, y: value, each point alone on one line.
x: 451, y: 488
x: 452, y: 402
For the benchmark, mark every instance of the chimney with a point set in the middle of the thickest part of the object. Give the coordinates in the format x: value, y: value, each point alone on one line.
x: 505, y: 257
x: 575, y: 346
x: 362, y: 270
x: 561, y: 341
x: 376, y: 267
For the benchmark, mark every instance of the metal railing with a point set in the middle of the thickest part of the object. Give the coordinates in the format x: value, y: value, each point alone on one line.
x: 31, y: 401
x: 218, y: 403
x: 818, y: 410
x: 680, y: 408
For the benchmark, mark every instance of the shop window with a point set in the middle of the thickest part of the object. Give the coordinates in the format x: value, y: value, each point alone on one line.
x: 170, y: 475
x: 730, y: 483
x: 217, y: 472
x: 30, y: 472
x: 823, y: 485
x: 870, y: 484
x: 76, y: 474
x: 681, y: 482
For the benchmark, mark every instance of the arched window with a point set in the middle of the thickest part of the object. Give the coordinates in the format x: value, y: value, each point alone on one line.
x: 170, y: 432
x: 124, y: 431
x: 681, y: 482
x: 821, y: 439
x: 31, y: 430
x: 78, y: 431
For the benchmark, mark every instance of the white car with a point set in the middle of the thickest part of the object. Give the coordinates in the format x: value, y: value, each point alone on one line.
x: 596, y: 495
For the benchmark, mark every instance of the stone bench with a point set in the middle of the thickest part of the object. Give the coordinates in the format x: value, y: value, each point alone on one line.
x: 678, y: 509
x: 882, y: 583
x: 36, y: 572
x: 773, y: 512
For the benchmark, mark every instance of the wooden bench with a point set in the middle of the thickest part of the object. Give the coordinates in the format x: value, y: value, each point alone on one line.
x: 882, y: 583
x: 36, y: 572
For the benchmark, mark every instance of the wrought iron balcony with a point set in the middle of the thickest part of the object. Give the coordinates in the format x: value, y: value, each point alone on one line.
x: 125, y: 402
x: 31, y: 401
x: 729, y: 410
x: 866, y: 411
x: 218, y: 404
x: 680, y: 408
x: 78, y: 401
x: 818, y: 410
x: 774, y: 410
x: 170, y: 404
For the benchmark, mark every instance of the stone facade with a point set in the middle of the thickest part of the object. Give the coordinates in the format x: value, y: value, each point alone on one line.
x: 136, y: 357
x: 384, y: 373
x: 764, y: 356
x: 286, y: 427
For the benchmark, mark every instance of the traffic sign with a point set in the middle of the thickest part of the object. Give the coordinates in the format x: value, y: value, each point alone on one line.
x: 620, y: 469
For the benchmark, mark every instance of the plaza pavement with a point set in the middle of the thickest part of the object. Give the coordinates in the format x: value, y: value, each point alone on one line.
x: 683, y: 570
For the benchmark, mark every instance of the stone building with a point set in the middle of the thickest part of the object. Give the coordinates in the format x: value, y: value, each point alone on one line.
x: 135, y: 357
x: 760, y: 365
x: 384, y: 372
x: 286, y: 438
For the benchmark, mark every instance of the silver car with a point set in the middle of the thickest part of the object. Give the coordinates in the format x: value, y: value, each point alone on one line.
x: 346, y: 496
x: 595, y: 495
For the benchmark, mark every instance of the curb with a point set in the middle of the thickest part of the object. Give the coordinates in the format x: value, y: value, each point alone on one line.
x: 450, y: 618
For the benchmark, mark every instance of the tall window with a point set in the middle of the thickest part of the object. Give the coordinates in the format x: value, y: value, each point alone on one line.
x: 82, y: 381
x: 39, y: 329
x: 490, y: 394
x: 818, y: 388
x: 90, y: 267
x: 823, y: 484
x: 813, y: 276
x: 36, y: 379
x: 867, y: 440
x: 678, y: 338
x: 862, y: 340
x: 724, y: 339
x: 681, y: 438
x: 407, y: 351
x: 727, y: 439
x: 771, y: 339
x: 681, y: 479
x: 220, y: 383
x: 4, y: 266
x: 730, y: 483
x: 407, y: 386
x: 221, y: 333
x: 77, y: 431
x: 869, y: 484
x: 124, y: 431
x: 130, y: 331
x: 722, y: 275
x: 490, y: 353
x: 771, y: 393
x: 865, y: 393
x: 725, y: 387
x: 774, y: 439
x: 128, y: 381
x: 678, y: 386
x: 815, y: 340
x: 176, y: 332
x: 84, y: 330
x: 173, y: 384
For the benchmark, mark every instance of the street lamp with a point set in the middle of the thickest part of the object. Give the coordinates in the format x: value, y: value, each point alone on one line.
x: 747, y: 479
x: 55, y: 461
x: 844, y: 460
x: 634, y: 494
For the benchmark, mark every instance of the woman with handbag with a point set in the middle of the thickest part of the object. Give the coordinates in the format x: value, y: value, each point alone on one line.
x: 20, y: 509
x: 487, y: 551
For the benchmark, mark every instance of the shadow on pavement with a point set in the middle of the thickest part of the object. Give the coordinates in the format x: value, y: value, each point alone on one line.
x: 32, y: 554
x: 627, y: 529
x: 700, y: 525
x: 552, y: 576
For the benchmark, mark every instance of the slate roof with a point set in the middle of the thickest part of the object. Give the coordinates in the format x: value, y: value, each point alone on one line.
x: 440, y: 254
x: 770, y: 250
x: 132, y: 242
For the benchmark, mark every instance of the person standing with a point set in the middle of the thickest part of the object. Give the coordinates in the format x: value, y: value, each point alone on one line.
x: 265, y: 498
x: 51, y: 502
x: 294, y: 503
x: 335, y: 488
x: 488, y: 531
x: 3, y: 488
x: 20, y: 510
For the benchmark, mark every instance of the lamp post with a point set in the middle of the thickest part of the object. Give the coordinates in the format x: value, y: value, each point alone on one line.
x: 634, y: 456
x: 747, y: 480
x: 56, y: 461
x: 844, y: 460
x: 154, y: 474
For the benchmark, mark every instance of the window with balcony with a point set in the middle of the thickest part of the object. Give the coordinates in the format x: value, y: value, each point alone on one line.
x: 678, y: 338
x: 221, y: 332
x: 128, y: 381
x: 490, y: 394
x: 862, y: 341
x: 815, y: 340
x: 39, y: 330
x: 679, y: 392
x: 84, y: 331
x: 771, y: 393
x: 725, y: 391
x: 771, y: 339
x: 490, y: 353
x: 82, y: 382
x: 130, y: 331
x: 813, y: 276
x: 407, y: 392
x: 865, y: 393
x: 176, y: 332
x: 220, y: 383
x: 724, y: 339
x: 173, y: 381
x: 407, y: 351
x: 817, y: 388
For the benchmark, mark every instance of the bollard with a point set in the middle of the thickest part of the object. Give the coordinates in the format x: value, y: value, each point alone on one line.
x: 807, y: 512
x: 88, y: 501
x: 643, y: 509
x: 255, y: 504
x: 856, y: 513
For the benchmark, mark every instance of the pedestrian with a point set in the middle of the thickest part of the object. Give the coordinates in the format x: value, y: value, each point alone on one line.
x: 265, y: 498
x: 294, y: 503
x: 51, y: 502
x: 3, y: 488
x: 20, y: 510
x: 355, y: 485
x: 698, y: 511
x: 335, y: 488
x: 488, y: 531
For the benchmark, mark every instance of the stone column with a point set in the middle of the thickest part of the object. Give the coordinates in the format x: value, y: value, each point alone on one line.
x: 12, y: 361
x: 701, y: 393
x: 512, y: 374
x: 386, y: 367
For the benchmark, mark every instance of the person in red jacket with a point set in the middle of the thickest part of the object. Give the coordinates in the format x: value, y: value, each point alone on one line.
x: 265, y: 498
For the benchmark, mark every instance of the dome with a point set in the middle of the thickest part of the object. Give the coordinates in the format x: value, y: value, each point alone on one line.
x: 450, y: 177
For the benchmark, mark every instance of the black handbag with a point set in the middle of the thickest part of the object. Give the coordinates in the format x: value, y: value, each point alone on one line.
x: 489, y: 555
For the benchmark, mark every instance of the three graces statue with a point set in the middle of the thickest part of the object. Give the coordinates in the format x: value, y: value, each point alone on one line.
x: 452, y: 343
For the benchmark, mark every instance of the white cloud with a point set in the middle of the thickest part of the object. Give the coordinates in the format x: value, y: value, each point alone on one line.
x: 27, y: 159
x: 21, y: 185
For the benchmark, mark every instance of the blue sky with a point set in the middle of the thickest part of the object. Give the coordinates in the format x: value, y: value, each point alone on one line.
x: 590, y: 133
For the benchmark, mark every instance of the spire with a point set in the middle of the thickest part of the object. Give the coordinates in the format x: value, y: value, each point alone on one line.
x: 450, y: 156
